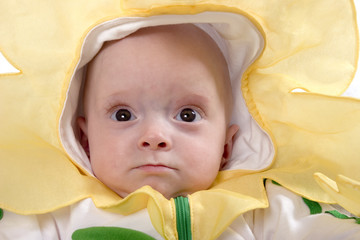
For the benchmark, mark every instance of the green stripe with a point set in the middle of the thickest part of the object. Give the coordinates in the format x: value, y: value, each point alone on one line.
x: 1, y: 213
x: 314, y: 207
x: 276, y: 183
x: 183, y: 218
x: 342, y: 216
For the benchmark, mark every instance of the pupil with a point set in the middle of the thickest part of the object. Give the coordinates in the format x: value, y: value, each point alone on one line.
x: 188, y: 115
x: 123, y: 115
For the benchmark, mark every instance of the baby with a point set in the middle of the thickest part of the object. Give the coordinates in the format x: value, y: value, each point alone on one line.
x: 157, y: 107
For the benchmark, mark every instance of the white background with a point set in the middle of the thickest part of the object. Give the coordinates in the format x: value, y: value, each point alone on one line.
x: 354, y: 89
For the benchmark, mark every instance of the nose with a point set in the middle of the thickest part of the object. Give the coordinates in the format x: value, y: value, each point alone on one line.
x: 154, y: 140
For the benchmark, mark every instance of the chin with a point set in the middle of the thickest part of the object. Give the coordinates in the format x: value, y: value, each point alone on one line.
x: 169, y: 194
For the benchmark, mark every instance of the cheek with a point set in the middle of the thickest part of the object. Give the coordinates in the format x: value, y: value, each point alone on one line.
x: 203, y: 152
x: 107, y: 149
x: 211, y: 148
x: 202, y: 166
x: 108, y: 161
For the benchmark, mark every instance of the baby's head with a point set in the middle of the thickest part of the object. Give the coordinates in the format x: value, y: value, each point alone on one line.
x: 157, y: 109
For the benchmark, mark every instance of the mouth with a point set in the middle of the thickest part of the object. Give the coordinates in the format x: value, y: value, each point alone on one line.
x: 154, y: 168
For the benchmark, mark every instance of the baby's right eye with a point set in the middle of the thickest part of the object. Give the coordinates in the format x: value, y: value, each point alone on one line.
x: 122, y: 115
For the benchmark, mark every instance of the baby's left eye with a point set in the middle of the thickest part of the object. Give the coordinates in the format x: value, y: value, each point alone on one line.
x: 188, y: 115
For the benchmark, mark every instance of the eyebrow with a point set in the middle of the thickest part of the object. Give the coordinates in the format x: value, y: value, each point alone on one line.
x: 113, y: 99
x: 195, y: 99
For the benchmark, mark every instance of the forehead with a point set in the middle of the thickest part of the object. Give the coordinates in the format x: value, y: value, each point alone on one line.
x: 178, y: 54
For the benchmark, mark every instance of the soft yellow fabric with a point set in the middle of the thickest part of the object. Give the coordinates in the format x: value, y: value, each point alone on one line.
x: 345, y: 191
x: 310, y: 44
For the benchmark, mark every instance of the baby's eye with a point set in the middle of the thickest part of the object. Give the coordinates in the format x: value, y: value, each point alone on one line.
x: 122, y: 115
x: 188, y: 115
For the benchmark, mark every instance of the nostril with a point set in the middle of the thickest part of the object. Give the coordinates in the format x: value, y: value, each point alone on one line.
x: 153, y: 146
x: 162, y: 145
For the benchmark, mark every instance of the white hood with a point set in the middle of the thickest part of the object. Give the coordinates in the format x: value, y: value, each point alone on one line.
x: 239, y: 40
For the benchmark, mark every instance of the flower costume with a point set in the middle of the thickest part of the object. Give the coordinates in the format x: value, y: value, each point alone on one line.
x: 305, y: 141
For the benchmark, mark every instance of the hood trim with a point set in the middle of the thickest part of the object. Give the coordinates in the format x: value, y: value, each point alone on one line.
x: 240, y: 42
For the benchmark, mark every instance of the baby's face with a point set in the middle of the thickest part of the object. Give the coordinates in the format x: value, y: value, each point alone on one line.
x: 154, y: 112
